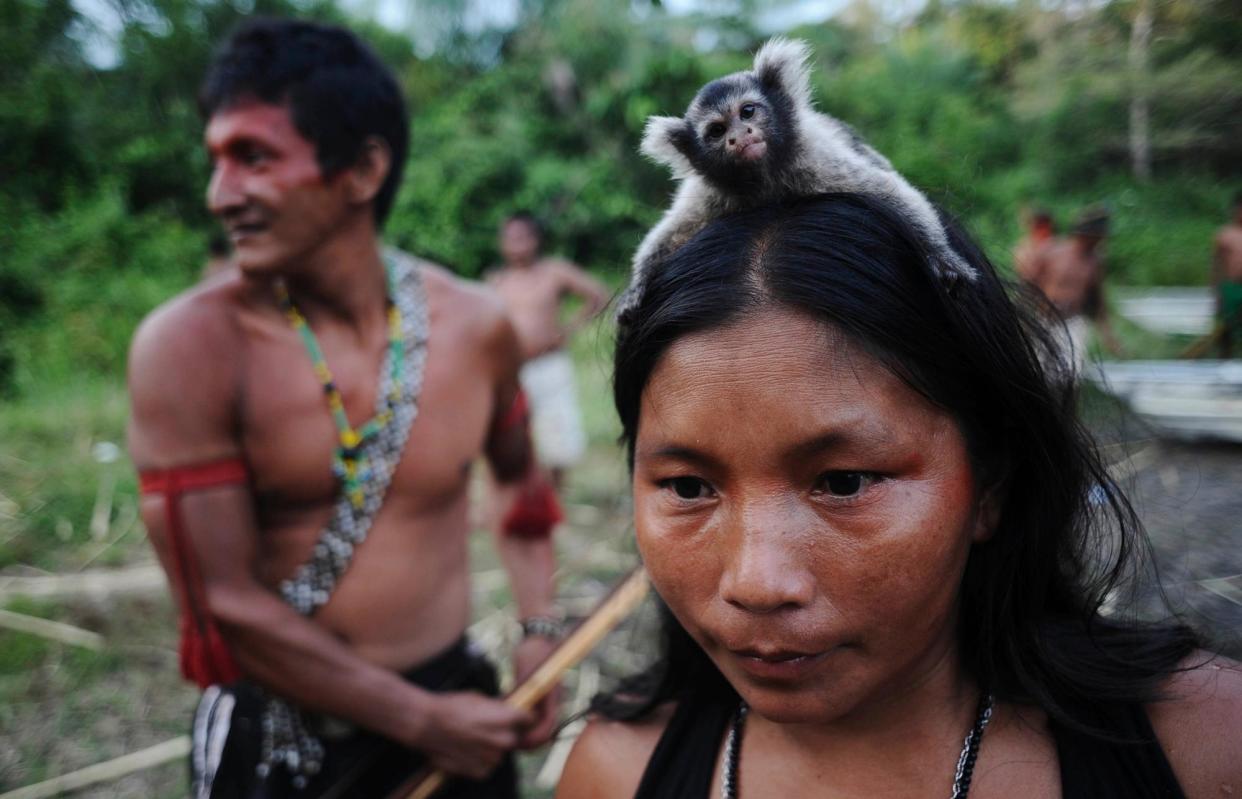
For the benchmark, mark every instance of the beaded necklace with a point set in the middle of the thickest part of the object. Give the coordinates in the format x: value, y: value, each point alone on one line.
x: 345, y: 458
x: 961, y: 778
x: 365, y: 463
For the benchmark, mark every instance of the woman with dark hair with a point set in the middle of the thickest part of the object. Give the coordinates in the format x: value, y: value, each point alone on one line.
x: 864, y: 507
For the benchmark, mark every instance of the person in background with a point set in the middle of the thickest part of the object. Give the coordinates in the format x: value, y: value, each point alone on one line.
x: 1070, y: 275
x: 533, y: 288
x: 1227, y: 280
x: 1040, y: 232
x: 304, y: 428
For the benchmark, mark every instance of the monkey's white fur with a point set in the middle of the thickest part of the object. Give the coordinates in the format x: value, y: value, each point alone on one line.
x: 828, y: 156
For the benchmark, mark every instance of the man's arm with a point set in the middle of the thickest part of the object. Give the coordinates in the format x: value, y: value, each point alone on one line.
x: 576, y: 281
x: 183, y: 410
x: 529, y: 562
x: 1096, y: 308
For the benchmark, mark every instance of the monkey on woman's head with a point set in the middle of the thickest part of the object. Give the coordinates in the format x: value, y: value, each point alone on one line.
x: 740, y: 130
x: 754, y: 137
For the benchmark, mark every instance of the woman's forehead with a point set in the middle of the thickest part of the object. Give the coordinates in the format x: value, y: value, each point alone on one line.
x: 786, y: 373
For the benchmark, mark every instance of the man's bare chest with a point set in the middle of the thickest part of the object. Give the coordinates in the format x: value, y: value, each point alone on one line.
x: 536, y: 288
x: 290, y: 437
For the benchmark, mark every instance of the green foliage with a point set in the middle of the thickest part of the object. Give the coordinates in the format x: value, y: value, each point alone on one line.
x: 989, y: 106
x: 99, y: 269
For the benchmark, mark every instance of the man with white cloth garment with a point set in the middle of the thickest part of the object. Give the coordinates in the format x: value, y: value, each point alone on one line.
x: 533, y: 288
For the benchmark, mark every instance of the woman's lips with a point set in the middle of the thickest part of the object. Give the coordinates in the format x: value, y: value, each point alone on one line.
x: 780, y: 666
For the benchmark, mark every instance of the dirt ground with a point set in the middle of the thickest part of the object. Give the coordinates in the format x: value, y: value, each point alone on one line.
x: 1189, y: 497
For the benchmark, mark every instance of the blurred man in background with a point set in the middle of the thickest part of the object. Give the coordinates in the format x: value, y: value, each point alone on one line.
x: 1070, y: 274
x: 534, y: 288
x: 1227, y: 280
x: 1040, y: 230
x: 304, y: 428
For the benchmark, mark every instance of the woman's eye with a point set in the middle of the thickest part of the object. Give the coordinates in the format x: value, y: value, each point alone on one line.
x: 748, y: 111
x: 845, y: 484
x: 715, y: 130
x: 686, y: 487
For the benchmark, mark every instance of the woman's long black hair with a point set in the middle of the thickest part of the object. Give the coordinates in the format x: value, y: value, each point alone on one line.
x: 1030, y: 628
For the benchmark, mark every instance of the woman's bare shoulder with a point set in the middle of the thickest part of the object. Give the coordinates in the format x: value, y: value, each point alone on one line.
x: 1199, y: 724
x: 609, y: 757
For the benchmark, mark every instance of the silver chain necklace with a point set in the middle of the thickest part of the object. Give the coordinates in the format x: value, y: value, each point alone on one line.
x: 961, y: 779
x: 287, y: 738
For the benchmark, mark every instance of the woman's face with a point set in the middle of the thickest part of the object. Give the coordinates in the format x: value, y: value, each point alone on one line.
x: 804, y: 513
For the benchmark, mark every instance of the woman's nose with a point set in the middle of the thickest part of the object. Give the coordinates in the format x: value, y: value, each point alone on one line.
x: 766, y: 566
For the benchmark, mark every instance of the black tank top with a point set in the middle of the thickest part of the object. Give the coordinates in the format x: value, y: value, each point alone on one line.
x: 1131, y: 767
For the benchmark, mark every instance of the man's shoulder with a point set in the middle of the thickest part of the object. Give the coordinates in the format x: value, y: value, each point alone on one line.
x: 191, y: 344
x: 469, y: 302
x: 467, y: 314
x: 1230, y: 235
x: 556, y: 265
x: 184, y: 375
x: 200, y: 319
x: 1058, y: 248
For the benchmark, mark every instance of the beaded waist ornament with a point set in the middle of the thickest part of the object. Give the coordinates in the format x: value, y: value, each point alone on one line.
x: 364, y: 462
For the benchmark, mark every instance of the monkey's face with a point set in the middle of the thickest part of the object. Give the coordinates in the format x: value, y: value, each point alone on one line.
x: 738, y: 132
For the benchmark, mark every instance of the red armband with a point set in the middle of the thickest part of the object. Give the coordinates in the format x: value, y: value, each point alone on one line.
x: 205, y: 657
x: 534, y: 514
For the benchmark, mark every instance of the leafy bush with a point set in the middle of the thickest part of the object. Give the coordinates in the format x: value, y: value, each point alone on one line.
x: 99, y: 269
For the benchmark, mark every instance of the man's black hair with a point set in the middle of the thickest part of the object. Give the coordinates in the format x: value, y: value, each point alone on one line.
x: 1042, y: 216
x: 530, y: 220
x: 1093, y: 221
x: 338, y: 91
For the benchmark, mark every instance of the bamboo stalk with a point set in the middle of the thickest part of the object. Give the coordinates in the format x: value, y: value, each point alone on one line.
x: 105, y: 771
x: 576, y: 646
x: 53, y: 630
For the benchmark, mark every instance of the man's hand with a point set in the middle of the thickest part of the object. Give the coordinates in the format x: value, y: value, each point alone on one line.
x: 530, y: 652
x: 467, y: 734
x: 554, y: 341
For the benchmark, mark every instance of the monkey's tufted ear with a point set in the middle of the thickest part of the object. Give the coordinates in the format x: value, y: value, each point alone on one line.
x: 669, y: 141
x: 782, y: 64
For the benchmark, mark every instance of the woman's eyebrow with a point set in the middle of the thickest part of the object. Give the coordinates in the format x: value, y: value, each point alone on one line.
x: 862, y: 434
x: 814, y: 446
x: 677, y: 452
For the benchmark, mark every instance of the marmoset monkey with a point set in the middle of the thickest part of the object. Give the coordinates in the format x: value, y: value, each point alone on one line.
x: 754, y: 137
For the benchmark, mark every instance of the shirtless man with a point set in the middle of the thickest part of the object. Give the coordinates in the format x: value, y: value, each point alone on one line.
x: 1070, y: 274
x: 1039, y: 236
x: 232, y: 430
x: 1227, y: 280
x: 533, y: 288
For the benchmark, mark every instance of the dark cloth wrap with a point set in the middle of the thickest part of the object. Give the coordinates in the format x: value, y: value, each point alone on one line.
x: 357, y: 764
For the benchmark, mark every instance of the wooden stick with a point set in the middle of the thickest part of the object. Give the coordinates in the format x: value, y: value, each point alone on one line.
x: 103, y: 772
x: 576, y: 646
x: 54, y: 630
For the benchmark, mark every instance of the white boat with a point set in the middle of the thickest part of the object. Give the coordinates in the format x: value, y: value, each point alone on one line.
x: 1190, y: 400
x: 1183, y: 311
